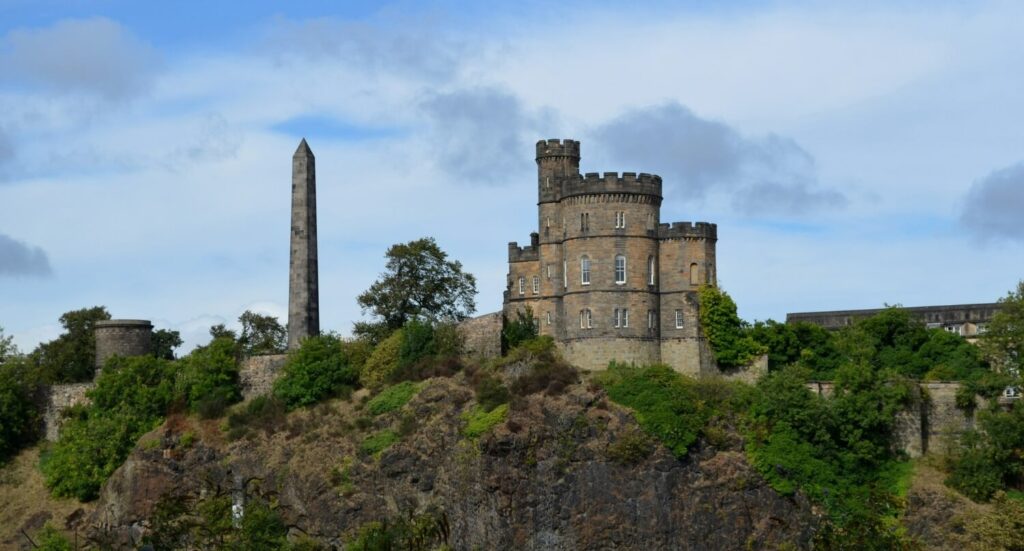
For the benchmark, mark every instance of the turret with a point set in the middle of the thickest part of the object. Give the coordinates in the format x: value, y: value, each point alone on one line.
x: 556, y: 160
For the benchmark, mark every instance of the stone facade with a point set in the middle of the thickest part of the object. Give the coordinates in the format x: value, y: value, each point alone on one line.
x: 303, y: 276
x: 122, y: 338
x: 58, y: 399
x: 966, y: 320
x: 256, y: 374
x: 929, y: 422
x: 603, y: 276
x: 482, y: 336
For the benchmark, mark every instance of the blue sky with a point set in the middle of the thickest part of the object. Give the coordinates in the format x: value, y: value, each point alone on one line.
x: 852, y: 155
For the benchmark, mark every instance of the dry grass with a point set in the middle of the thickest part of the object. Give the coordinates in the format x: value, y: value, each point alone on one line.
x: 24, y: 496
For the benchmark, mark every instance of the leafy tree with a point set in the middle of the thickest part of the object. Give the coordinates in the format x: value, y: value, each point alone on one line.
x: 321, y: 368
x: 514, y: 332
x: 19, y: 414
x: 261, y: 334
x: 1003, y: 342
x: 164, y: 343
x: 7, y: 348
x: 726, y: 332
x: 420, y: 283
x: 383, y: 362
x: 208, y: 378
x: 221, y: 331
x: 805, y: 343
x: 71, y: 356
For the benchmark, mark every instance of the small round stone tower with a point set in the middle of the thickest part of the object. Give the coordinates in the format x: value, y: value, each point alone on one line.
x: 122, y: 338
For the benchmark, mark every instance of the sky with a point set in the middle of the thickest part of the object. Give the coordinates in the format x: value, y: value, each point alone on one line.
x: 853, y: 155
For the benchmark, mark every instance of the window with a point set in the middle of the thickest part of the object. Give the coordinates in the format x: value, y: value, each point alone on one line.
x: 693, y: 274
x: 522, y: 286
x: 955, y: 329
x: 549, y: 271
x: 585, y: 270
x: 679, y: 319
x: 652, y: 319
x: 650, y: 270
x: 620, y: 219
x: 586, y: 320
x: 584, y: 221
x: 536, y: 285
x: 547, y: 317
x: 621, y: 317
x: 565, y: 274
x: 620, y: 269
x: 650, y: 221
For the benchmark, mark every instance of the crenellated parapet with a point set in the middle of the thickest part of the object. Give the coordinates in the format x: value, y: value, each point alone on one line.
x: 558, y: 148
x: 522, y: 254
x: 688, y: 230
x: 612, y: 182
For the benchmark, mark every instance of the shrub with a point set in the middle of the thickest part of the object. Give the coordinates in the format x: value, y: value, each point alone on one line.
x: 515, y: 332
x: 208, y: 378
x: 725, y: 331
x: 417, y: 343
x: 319, y: 369
x: 392, y: 398
x: 480, y: 421
x: 547, y: 371
x: 19, y: 415
x: 51, y: 539
x: 266, y: 413
x: 375, y: 444
x: 490, y: 392
x: 383, y: 362
x: 631, y: 448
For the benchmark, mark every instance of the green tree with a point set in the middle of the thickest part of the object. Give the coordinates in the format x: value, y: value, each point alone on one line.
x: 726, y: 332
x: 208, y: 377
x: 1003, y: 342
x: 261, y: 334
x: 419, y: 282
x: 321, y: 368
x: 7, y: 348
x: 164, y: 343
x: 221, y: 331
x: 519, y: 330
x: 71, y: 356
x: 19, y: 415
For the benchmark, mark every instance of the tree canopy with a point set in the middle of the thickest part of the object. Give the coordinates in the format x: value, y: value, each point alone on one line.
x: 261, y: 334
x: 71, y: 356
x: 419, y: 282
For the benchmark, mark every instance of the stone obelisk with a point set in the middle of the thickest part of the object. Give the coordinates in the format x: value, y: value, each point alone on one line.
x: 303, y: 292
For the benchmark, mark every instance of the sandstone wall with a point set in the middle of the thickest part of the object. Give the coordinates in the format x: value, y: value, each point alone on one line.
x: 482, y: 335
x: 257, y: 373
x: 122, y: 338
x: 58, y: 399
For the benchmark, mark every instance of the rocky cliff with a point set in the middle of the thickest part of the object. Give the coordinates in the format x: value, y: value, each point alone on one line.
x: 543, y: 478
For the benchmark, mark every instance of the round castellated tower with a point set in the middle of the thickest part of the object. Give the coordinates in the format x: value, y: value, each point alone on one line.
x: 122, y: 338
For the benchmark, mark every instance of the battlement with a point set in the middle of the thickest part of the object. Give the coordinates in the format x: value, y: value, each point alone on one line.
x: 525, y: 254
x: 558, y: 148
x: 613, y: 182
x: 699, y: 230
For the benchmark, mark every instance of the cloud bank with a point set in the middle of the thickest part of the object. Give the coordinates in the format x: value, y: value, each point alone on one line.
x: 19, y: 259
x: 698, y: 157
x: 994, y: 205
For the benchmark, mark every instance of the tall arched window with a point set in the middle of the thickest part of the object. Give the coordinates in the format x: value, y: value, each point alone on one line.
x: 620, y: 269
x: 694, y: 275
x: 650, y: 270
x: 585, y: 270
x: 586, y: 320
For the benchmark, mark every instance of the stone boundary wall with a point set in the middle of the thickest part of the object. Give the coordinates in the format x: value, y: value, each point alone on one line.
x: 929, y: 422
x: 256, y: 374
x: 482, y: 335
x: 58, y: 399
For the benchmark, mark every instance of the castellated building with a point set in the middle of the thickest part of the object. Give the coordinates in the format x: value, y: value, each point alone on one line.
x: 603, y: 276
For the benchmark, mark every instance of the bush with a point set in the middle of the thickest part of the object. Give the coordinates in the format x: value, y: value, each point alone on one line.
x: 417, y: 343
x: 321, y: 368
x: 631, y: 448
x: 490, y: 392
x: 375, y: 444
x: 515, y: 332
x: 987, y: 460
x: 383, y: 362
x: 392, y: 398
x: 266, y: 413
x: 725, y: 331
x: 480, y: 421
x: 51, y: 539
x: 19, y: 415
x: 208, y: 378
x: 547, y: 372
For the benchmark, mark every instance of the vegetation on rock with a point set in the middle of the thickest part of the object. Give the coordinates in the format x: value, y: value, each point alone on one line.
x: 323, y: 367
x: 392, y: 398
x: 726, y: 332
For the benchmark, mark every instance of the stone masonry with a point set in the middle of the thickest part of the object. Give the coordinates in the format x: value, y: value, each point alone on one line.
x: 482, y: 335
x: 256, y: 374
x: 122, y: 338
x: 58, y: 399
x: 303, y: 277
x: 603, y: 276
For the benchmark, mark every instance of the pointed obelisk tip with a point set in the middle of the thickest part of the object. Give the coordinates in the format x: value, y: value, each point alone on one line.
x: 303, y: 150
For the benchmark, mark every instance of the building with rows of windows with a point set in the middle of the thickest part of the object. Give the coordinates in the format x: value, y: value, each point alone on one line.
x: 603, y: 276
